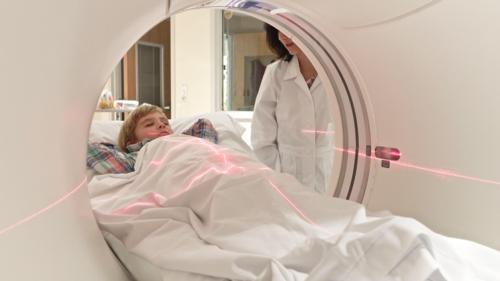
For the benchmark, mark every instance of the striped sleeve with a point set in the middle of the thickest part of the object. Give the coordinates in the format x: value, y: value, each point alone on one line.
x: 204, y: 129
x: 106, y: 159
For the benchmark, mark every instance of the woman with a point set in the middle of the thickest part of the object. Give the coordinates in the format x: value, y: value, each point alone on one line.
x: 292, y: 122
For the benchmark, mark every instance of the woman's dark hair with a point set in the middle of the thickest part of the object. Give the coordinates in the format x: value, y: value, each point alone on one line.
x: 275, y: 44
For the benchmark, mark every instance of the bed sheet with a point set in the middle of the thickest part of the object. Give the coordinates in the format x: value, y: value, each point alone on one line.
x: 208, y: 212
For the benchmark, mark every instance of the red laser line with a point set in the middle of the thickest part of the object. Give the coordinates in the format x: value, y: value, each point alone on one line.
x: 318, y: 132
x: 230, y: 166
x: 43, y: 210
x: 123, y: 211
x: 445, y: 173
x: 436, y: 171
x: 189, y: 186
x: 195, y: 179
x: 297, y: 209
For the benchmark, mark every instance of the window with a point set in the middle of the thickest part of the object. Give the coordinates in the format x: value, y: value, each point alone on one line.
x: 150, y: 73
x: 114, y: 83
x: 245, y: 56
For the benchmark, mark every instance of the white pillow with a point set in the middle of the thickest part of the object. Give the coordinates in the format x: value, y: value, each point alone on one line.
x: 106, y: 131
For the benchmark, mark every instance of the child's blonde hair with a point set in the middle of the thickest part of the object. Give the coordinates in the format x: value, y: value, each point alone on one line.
x: 127, y: 132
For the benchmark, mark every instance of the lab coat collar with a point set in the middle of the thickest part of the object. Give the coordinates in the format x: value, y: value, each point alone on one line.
x: 293, y: 73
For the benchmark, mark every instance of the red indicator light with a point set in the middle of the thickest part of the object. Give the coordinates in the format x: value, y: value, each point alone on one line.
x: 387, y: 153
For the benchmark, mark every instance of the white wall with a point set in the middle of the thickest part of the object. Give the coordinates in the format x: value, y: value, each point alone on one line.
x: 196, y: 62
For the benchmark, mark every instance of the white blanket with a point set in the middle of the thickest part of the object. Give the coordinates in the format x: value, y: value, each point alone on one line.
x: 199, y: 211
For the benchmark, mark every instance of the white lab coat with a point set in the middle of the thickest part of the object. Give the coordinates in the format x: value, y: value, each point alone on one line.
x: 284, y: 108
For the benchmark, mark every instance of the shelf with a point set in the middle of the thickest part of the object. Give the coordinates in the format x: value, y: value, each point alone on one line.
x: 115, y: 110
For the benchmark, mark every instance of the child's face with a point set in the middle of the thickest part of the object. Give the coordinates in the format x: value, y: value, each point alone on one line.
x: 152, y: 126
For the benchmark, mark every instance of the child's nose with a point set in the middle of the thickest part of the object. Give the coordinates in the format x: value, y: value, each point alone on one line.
x: 161, y: 125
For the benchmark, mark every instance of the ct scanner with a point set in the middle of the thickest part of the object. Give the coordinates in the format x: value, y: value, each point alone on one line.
x: 417, y: 75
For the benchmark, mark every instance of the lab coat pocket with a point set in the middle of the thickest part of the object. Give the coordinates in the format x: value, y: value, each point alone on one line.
x: 288, y: 163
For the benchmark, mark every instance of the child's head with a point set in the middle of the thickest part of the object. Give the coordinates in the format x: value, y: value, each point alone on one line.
x: 145, y: 122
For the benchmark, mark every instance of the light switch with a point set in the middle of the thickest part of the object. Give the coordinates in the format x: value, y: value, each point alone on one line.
x: 184, y: 92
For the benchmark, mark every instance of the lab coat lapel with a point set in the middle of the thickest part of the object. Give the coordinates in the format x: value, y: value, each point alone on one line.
x: 314, y: 85
x: 293, y: 73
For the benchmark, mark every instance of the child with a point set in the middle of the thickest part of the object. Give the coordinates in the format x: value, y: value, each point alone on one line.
x: 147, y: 122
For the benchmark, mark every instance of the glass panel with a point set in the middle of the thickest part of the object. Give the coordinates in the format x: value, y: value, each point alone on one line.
x: 245, y: 56
x: 149, y: 74
x: 114, y: 83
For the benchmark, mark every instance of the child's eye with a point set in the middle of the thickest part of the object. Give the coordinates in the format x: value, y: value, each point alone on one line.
x: 149, y: 124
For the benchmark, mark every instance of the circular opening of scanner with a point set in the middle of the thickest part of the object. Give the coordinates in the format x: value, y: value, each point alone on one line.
x: 352, y: 134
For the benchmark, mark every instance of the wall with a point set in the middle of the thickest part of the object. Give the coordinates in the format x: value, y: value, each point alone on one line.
x: 196, y: 62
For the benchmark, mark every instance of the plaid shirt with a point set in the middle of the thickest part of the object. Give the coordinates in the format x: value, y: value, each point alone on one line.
x: 105, y: 158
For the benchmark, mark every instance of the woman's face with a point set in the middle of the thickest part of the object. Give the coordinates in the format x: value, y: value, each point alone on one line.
x: 152, y: 126
x: 288, y: 43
